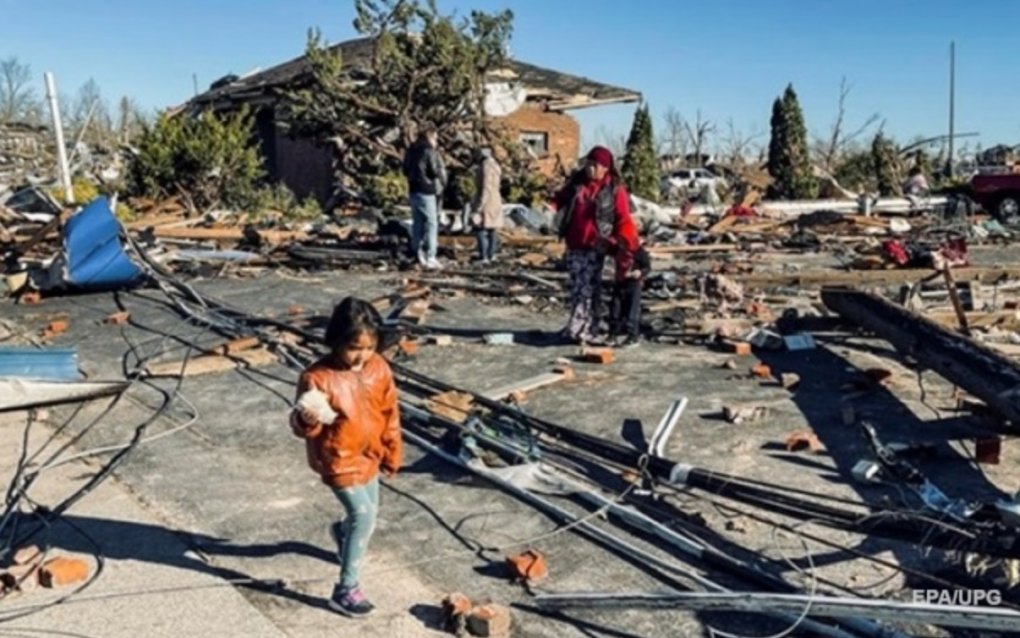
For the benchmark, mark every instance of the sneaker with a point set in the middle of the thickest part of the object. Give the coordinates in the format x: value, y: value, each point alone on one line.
x: 421, y: 258
x: 630, y: 341
x: 433, y: 264
x: 350, y: 602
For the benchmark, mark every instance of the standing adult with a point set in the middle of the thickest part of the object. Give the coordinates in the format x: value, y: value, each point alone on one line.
x: 426, y: 180
x: 488, y: 204
x: 594, y: 220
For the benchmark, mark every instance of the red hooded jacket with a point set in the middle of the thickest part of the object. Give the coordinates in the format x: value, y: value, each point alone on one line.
x: 582, y: 232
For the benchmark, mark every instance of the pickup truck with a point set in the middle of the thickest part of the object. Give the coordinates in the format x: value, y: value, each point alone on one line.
x: 999, y: 194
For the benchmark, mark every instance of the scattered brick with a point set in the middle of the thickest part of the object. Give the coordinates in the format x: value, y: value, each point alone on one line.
x: 30, y: 298
x: 603, y: 356
x: 739, y: 348
x: 408, y: 346
x: 59, y: 572
x: 803, y: 440
x: 117, y: 318
x: 761, y: 371
x: 529, y: 566
x: 489, y: 620
x: 295, y: 310
x: 988, y: 450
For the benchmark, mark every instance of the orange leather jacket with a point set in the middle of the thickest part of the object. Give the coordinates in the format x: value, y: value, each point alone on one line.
x: 366, y: 433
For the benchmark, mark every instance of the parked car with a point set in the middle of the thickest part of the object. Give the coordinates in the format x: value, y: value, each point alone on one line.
x: 690, y: 179
x: 999, y: 194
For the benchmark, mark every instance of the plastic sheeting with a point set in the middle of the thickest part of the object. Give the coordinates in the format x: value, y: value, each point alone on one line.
x: 38, y: 363
x: 94, y: 258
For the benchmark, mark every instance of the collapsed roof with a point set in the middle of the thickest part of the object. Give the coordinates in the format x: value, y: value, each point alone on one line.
x: 559, y: 91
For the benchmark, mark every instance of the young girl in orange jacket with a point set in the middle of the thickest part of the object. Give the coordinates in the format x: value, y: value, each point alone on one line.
x: 347, y: 413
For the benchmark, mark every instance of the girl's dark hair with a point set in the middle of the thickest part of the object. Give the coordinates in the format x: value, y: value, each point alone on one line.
x: 350, y: 318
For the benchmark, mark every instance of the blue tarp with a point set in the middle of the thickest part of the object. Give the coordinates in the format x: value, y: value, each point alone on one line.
x: 36, y: 363
x: 93, y: 253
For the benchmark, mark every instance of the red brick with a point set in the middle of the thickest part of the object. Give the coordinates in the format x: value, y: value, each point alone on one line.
x: 602, y: 356
x: 58, y: 326
x: 118, y: 318
x: 62, y: 571
x: 988, y: 451
x: 529, y: 566
x: 456, y: 604
x: 409, y: 346
x: 739, y: 348
x: 803, y: 439
x: 489, y: 620
x: 30, y: 298
x: 762, y: 371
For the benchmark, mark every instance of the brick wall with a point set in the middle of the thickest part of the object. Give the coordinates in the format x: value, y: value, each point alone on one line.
x: 563, y: 131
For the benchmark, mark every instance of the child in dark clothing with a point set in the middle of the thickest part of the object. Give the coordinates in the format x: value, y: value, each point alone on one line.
x: 626, y: 319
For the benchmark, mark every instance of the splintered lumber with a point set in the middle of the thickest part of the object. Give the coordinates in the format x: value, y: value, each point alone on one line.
x: 453, y: 405
x: 211, y: 363
x: 870, y: 277
x: 656, y: 251
x: 978, y: 369
x: 226, y: 234
x: 534, y: 383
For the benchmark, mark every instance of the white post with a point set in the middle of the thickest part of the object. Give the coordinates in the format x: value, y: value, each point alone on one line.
x: 65, y: 172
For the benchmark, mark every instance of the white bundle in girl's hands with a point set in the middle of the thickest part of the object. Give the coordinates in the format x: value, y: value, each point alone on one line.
x: 317, y: 403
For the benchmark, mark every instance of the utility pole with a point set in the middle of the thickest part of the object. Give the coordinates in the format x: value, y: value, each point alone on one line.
x: 952, y: 106
x: 58, y: 131
x: 194, y: 83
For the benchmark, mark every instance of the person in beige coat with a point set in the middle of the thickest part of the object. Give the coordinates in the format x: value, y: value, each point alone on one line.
x: 487, y: 209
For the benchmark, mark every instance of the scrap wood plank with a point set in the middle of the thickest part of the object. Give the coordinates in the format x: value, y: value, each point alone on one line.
x: 452, y: 406
x: 1008, y: 319
x: 227, y: 234
x: 696, y: 248
x: 158, y: 220
x: 557, y: 375
x: 871, y: 277
x: 722, y: 225
x: 210, y: 363
x: 416, y: 311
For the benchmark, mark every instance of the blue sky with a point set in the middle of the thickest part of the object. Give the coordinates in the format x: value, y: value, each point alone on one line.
x: 728, y: 58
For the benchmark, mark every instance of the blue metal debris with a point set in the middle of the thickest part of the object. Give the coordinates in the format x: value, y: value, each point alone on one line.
x: 38, y: 363
x: 93, y: 253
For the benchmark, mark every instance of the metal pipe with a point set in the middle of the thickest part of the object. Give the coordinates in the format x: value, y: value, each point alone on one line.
x: 58, y: 130
x: 972, y: 617
x: 605, y: 537
x: 657, y: 444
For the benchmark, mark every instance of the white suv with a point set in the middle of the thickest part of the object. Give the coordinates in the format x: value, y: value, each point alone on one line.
x: 687, y: 179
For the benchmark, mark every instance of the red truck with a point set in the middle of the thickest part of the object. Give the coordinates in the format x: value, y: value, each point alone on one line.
x: 999, y: 194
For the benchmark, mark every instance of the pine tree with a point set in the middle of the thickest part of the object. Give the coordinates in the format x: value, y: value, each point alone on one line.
x: 886, y: 161
x: 789, y: 162
x: 640, y: 166
x: 779, y: 165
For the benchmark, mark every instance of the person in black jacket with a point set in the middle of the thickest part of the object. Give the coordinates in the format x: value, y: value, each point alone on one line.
x: 426, y: 180
x: 626, y: 316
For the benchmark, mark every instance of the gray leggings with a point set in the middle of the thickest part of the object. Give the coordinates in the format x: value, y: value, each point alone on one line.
x: 361, y: 503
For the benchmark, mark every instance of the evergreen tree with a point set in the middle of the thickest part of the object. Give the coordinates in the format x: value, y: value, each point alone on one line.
x: 789, y: 161
x: 640, y: 165
x: 885, y: 158
x: 779, y: 165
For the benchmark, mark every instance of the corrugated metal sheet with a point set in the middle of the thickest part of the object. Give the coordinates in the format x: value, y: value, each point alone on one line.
x: 17, y: 394
x: 39, y: 363
x: 93, y: 252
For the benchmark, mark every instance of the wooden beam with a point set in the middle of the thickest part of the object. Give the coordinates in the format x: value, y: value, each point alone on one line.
x: 870, y: 277
x: 971, y: 365
x: 211, y: 363
x: 522, y: 387
x: 226, y: 234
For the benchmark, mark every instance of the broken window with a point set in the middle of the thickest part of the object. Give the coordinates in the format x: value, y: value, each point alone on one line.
x: 536, y: 141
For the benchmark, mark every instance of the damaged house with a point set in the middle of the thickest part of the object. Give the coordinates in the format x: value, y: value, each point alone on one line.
x: 533, y: 102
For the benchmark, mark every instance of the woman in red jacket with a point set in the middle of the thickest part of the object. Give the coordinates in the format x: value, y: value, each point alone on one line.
x: 595, y: 221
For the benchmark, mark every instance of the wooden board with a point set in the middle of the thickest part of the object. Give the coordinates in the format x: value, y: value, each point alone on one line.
x: 211, y: 363
x: 227, y: 234
x: 870, y: 277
